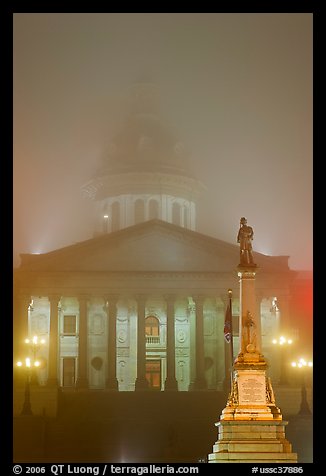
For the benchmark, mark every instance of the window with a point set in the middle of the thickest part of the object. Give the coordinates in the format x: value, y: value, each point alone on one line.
x: 152, y: 326
x: 69, y: 325
x: 139, y: 211
x: 153, y: 209
x: 115, y: 216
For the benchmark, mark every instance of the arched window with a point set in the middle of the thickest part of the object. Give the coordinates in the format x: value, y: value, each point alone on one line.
x: 152, y: 326
x: 153, y: 209
x: 115, y: 216
x: 176, y: 213
x: 139, y: 211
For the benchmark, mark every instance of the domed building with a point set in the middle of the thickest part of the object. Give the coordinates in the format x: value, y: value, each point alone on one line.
x: 146, y: 174
x: 142, y: 304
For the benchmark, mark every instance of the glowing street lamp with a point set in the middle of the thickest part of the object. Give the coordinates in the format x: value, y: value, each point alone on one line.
x: 283, y: 343
x: 34, y: 345
x: 30, y: 364
x: 27, y: 365
x: 303, y: 365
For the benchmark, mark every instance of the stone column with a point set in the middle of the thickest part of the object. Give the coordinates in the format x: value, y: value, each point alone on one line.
x: 288, y: 332
x: 191, y: 312
x: 170, y: 381
x: 249, y: 324
x: 283, y: 304
x: 53, y: 341
x: 82, y: 379
x: 220, y: 349
x: 228, y: 359
x: 20, y: 333
x: 200, y: 380
x: 259, y: 298
x: 21, y: 325
x: 141, y: 381
x: 111, y: 381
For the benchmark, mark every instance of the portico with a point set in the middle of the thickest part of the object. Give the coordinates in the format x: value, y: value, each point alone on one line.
x: 135, y: 328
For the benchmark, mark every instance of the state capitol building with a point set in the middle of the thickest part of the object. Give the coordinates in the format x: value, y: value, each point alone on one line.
x: 141, y: 305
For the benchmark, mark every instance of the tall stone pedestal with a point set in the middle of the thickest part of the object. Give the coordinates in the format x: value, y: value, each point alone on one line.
x: 252, y: 442
x: 250, y: 429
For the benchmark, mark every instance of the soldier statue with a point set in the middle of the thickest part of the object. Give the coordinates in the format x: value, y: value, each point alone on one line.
x: 245, y: 237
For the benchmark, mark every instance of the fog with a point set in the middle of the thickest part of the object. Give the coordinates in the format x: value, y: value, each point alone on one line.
x: 236, y: 88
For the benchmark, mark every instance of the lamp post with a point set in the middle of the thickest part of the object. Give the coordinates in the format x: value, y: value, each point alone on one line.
x: 27, y: 366
x: 303, y: 365
x: 283, y: 343
x: 30, y: 365
x: 34, y: 345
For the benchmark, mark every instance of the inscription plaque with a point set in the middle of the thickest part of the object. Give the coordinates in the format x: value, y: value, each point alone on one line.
x: 252, y: 389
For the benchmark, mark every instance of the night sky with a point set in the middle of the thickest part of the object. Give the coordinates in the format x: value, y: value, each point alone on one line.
x: 236, y: 89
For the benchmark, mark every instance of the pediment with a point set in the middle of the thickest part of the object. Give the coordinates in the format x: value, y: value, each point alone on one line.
x: 151, y: 246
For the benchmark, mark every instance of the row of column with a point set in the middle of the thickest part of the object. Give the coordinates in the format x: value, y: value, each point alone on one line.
x: 127, y: 211
x: 111, y: 310
x: 199, y: 382
x: 141, y: 381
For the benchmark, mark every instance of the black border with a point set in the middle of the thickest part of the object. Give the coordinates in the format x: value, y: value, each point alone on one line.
x: 6, y: 32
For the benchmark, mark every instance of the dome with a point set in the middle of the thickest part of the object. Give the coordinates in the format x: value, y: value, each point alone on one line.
x: 145, y: 174
x: 144, y: 142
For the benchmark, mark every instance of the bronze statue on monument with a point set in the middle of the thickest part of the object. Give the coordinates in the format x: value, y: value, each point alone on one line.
x: 251, y: 427
x: 245, y: 237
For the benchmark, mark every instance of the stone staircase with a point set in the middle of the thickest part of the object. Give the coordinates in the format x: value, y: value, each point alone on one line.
x: 138, y: 427
x: 126, y: 426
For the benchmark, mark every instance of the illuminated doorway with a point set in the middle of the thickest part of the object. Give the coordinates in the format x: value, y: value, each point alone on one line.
x: 153, y: 374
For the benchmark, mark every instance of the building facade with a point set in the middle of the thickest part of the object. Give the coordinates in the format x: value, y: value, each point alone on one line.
x: 141, y: 305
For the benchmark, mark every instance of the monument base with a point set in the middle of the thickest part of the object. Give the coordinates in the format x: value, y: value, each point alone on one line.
x: 251, y: 397
x: 252, y: 442
x: 251, y: 429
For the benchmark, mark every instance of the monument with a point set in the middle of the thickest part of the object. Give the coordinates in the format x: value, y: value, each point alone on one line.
x: 251, y: 428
